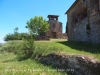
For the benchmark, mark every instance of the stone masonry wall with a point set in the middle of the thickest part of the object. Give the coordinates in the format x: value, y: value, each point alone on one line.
x: 72, y: 64
x: 80, y: 31
x: 55, y: 26
x: 71, y: 23
x: 77, y: 31
x: 94, y: 19
x: 95, y: 29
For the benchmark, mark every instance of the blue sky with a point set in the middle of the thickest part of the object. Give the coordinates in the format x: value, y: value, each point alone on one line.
x: 15, y: 13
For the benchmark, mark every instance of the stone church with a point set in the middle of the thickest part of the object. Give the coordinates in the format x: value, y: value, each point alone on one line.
x: 83, y: 21
x: 55, y: 29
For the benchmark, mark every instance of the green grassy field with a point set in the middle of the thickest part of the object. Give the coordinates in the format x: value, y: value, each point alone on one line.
x: 9, y: 65
x: 66, y: 47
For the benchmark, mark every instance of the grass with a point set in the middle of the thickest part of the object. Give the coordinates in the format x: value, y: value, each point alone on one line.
x: 9, y: 65
x: 72, y: 48
x: 57, y: 46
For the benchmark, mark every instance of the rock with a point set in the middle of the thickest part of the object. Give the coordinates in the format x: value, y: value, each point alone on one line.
x: 72, y: 62
x: 81, y: 65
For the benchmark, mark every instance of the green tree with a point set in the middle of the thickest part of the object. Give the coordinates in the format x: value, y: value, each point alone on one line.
x: 16, y: 35
x: 67, y: 27
x: 16, y: 29
x: 28, y: 47
x: 37, y: 25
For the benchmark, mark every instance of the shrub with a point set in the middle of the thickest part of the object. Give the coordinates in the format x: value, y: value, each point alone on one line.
x: 27, y: 48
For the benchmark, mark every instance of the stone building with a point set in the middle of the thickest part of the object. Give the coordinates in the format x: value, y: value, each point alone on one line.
x: 83, y: 21
x: 55, y: 29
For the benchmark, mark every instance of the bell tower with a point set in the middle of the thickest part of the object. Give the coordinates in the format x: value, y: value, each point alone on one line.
x: 55, y: 29
x: 53, y: 17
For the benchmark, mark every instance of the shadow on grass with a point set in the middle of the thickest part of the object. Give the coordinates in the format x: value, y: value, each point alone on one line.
x: 92, y: 48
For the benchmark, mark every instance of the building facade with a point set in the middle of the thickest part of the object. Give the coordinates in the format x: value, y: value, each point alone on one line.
x: 55, y: 29
x: 83, y: 21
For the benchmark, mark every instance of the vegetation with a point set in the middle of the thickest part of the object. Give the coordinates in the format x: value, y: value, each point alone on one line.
x: 66, y: 27
x: 41, y: 48
x: 27, y: 51
x: 27, y: 47
x: 73, y: 48
x: 37, y: 25
x: 16, y: 29
x: 16, y: 35
x: 9, y: 65
x: 45, y: 48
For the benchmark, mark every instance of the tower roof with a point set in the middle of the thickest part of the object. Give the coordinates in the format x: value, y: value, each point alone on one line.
x: 53, y: 16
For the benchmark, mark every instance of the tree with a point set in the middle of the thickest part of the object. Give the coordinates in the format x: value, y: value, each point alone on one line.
x: 67, y: 27
x: 37, y: 25
x: 16, y: 29
x: 16, y: 33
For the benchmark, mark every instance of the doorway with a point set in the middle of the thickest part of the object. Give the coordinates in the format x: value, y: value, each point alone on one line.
x: 54, y: 34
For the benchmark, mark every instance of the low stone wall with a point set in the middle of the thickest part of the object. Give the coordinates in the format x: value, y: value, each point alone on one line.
x: 72, y: 64
x: 64, y: 36
x: 42, y: 38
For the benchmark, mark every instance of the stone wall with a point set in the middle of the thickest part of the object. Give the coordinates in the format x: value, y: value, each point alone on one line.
x: 94, y: 19
x: 39, y: 38
x: 72, y: 64
x: 64, y: 35
x: 95, y: 29
x: 77, y: 31
x: 72, y: 14
x: 55, y: 27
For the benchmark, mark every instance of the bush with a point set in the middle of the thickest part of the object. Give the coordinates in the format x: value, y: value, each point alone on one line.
x: 27, y: 48
x: 24, y: 49
x: 16, y: 36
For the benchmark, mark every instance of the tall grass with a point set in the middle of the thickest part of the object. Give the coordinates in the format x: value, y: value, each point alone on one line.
x: 40, y: 49
x: 12, y: 46
x: 45, y: 48
x: 9, y: 65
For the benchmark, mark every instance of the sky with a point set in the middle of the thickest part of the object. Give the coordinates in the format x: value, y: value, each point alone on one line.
x: 15, y: 13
